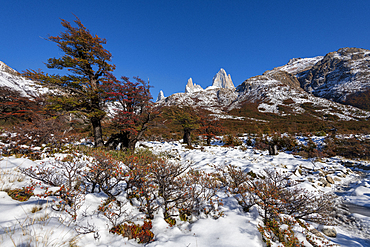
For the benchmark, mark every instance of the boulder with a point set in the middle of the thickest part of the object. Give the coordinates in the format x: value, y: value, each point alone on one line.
x: 317, y: 233
x: 329, y: 231
x: 330, y: 179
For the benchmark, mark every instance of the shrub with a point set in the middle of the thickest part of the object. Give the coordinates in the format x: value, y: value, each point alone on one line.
x: 232, y: 141
x: 279, y: 200
x: 22, y: 194
x: 114, y: 211
x: 142, y: 234
x: 200, y: 191
x: 166, y: 175
x: 104, y: 171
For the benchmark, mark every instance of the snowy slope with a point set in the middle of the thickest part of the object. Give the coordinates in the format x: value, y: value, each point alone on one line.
x: 273, y: 93
x: 338, y: 74
x: 47, y: 227
x: 11, y: 78
x: 298, y: 65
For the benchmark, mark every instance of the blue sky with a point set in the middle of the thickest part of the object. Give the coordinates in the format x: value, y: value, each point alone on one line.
x: 170, y: 41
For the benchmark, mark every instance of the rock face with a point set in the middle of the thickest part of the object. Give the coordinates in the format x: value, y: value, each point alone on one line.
x: 222, y: 80
x: 160, y: 96
x: 338, y: 74
x: 192, y: 87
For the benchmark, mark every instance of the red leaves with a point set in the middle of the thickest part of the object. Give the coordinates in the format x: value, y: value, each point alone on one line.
x: 15, y: 106
x: 133, y: 110
x: 133, y: 231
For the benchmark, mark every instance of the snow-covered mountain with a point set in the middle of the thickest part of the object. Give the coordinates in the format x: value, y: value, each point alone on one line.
x: 303, y: 84
x: 12, y: 79
x: 287, y: 89
x: 278, y: 92
x: 214, y: 98
x: 338, y: 74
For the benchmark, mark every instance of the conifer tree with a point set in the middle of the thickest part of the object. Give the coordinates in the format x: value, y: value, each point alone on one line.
x: 87, y: 64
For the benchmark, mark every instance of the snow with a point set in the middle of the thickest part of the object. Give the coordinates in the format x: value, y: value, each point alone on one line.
x: 12, y: 79
x: 235, y: 228
x: 297, y: 65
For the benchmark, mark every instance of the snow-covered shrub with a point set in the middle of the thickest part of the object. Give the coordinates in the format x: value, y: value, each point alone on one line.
x: 114, y: 210
x: 200, y: 191
x: 279, y: 201
x: 140, y: 187
x: 104, y: 171
x: 167, y: 176
x: 65, y: 174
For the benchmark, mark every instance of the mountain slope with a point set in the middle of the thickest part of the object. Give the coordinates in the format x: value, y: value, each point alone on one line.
x: 277, y: 91
x: 338, y: 75
x: 12, y: 79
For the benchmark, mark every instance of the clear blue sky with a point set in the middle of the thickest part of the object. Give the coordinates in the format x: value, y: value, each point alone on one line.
x: 170, y: 41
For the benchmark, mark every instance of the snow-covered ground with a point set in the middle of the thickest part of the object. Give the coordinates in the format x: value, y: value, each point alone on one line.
x: 46, y: 227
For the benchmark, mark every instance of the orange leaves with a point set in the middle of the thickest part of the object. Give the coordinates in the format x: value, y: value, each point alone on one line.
x: 133, y: 231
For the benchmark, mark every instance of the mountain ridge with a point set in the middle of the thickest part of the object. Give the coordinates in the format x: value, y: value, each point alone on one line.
x: 274, y: 88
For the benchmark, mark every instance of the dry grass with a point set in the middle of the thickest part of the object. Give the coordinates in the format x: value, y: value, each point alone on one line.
x: 10, y: 176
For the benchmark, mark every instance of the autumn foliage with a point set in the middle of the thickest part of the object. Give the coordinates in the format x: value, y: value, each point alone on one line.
x: 132, y: 111
x: 16, y: 107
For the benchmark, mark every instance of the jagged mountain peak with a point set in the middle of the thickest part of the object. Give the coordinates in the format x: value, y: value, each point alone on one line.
x: 160, y: 96
x: 192, y: 87
x: 222, y: 80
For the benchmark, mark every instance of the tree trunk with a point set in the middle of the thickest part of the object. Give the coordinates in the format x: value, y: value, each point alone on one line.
x: 131, y: 145
x: 187, y: 137
x: 208, y: 140
x: 97, y: 132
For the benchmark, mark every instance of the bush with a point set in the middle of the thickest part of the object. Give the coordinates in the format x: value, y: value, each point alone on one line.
x: 279, y: 200
x: 142, y: 234
x: 22, y: 194
x: 231, y: 141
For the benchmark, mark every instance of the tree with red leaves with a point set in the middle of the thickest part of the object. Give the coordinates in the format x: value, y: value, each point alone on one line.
x: 133, y: 111
x: 87, y: 62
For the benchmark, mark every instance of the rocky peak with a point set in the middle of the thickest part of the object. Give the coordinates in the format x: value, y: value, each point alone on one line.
x: 222, y: 80
x: 160, y: 96
x: 192, y: 87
